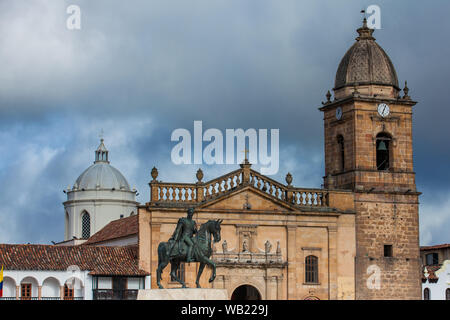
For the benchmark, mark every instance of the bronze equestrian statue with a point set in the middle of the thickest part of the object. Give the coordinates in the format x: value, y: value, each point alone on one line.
x: 188, y: 245
x: 186, y: 228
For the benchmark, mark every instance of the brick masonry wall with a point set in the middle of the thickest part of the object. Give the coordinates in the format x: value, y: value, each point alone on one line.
x: 386, y: 219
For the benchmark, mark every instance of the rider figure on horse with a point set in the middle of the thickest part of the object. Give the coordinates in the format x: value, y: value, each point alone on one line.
x: 184, y: 232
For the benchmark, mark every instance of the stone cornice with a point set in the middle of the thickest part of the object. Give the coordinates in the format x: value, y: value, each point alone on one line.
x: 361, y: 98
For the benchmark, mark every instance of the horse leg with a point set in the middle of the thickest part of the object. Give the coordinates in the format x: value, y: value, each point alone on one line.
x: 209, y: 262
x: 199, y: 273
x: 175, y: 266
x: 161, y: 266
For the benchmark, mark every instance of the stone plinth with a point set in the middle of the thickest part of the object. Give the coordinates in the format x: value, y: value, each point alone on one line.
x: 183, y: 294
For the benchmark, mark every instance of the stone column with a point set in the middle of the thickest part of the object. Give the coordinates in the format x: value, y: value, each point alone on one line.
x: 61, y: 292
x: 39, y: 292
x: 17, y: 292
x: 271, y: 288
x: 332, y: 262
x: 292, y: 263
x: 279, y: 287
x: 155, y: 240
x: 227, y: 285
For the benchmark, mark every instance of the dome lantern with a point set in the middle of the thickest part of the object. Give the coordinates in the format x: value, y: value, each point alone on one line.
x: 101, y: 154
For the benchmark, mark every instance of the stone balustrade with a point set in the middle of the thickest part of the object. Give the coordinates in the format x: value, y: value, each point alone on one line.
x: 164, y: 192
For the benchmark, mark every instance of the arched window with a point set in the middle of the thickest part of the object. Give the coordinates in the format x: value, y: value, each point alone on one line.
x: 341, y: 150
x: 447, y: 294
x: 311, y: 269
x: 85, y: 226
x: 426, y: 294
x: 383, y: 149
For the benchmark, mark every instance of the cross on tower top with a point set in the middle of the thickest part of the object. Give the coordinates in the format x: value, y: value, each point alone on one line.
x: 246, y: 151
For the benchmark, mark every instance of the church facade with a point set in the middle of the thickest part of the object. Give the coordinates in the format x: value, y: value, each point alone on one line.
x: 357, y: 238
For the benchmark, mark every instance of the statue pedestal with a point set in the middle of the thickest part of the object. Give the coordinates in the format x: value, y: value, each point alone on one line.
x: 183, y: 294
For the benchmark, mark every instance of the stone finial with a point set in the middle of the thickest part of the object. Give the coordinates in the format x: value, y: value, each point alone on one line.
x: 199, y: 175
x: 289, y: 178
x: 328, y: 96
x: 278, y: 248
x: 406, y: 91
x: 267, y: 246
x: 154, y: 173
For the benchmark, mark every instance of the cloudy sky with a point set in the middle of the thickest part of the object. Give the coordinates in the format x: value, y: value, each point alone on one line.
x: 140, y: 69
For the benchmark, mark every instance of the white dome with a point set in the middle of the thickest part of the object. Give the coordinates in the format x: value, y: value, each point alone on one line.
x: 102, y: 175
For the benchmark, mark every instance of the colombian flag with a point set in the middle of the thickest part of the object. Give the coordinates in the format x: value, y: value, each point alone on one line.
x: 1, y: 283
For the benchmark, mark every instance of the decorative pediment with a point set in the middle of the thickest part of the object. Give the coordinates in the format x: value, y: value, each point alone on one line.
x: 247, y: 198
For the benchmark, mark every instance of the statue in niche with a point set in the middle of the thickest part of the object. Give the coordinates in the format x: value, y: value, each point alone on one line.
x: 245, y: 246
x: 225, y: 246
x: 267, y: 246
x: 278, y: 248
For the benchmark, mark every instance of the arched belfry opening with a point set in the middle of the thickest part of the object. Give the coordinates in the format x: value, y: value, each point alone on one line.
x: 246, y: 292
x: 383, y: 150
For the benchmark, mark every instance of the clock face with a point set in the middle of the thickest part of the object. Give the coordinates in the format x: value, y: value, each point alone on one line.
x: 383, y: 110
x: 339, y: 113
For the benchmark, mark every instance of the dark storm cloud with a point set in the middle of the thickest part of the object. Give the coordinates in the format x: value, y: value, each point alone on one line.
x: 140, y: 69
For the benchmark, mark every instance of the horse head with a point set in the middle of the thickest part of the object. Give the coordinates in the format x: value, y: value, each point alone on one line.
x: 216, y: 229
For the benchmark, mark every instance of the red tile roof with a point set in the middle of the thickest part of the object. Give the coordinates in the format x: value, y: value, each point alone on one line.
x: 432, y: 277
x: 98, y: 260
x: 115, y: 229
x: 438, y: 246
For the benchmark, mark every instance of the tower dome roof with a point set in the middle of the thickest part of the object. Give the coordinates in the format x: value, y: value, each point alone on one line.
x: 102, y: 175
x: 365, y: 63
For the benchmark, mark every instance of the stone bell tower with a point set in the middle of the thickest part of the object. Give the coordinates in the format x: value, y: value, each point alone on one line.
x: 368, y: 149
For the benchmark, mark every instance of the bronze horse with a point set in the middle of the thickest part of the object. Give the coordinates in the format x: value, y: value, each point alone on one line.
x: 202, y: 251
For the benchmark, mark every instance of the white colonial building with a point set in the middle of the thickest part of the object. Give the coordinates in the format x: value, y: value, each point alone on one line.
x: 83, y: 272
x: 100, y: 195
